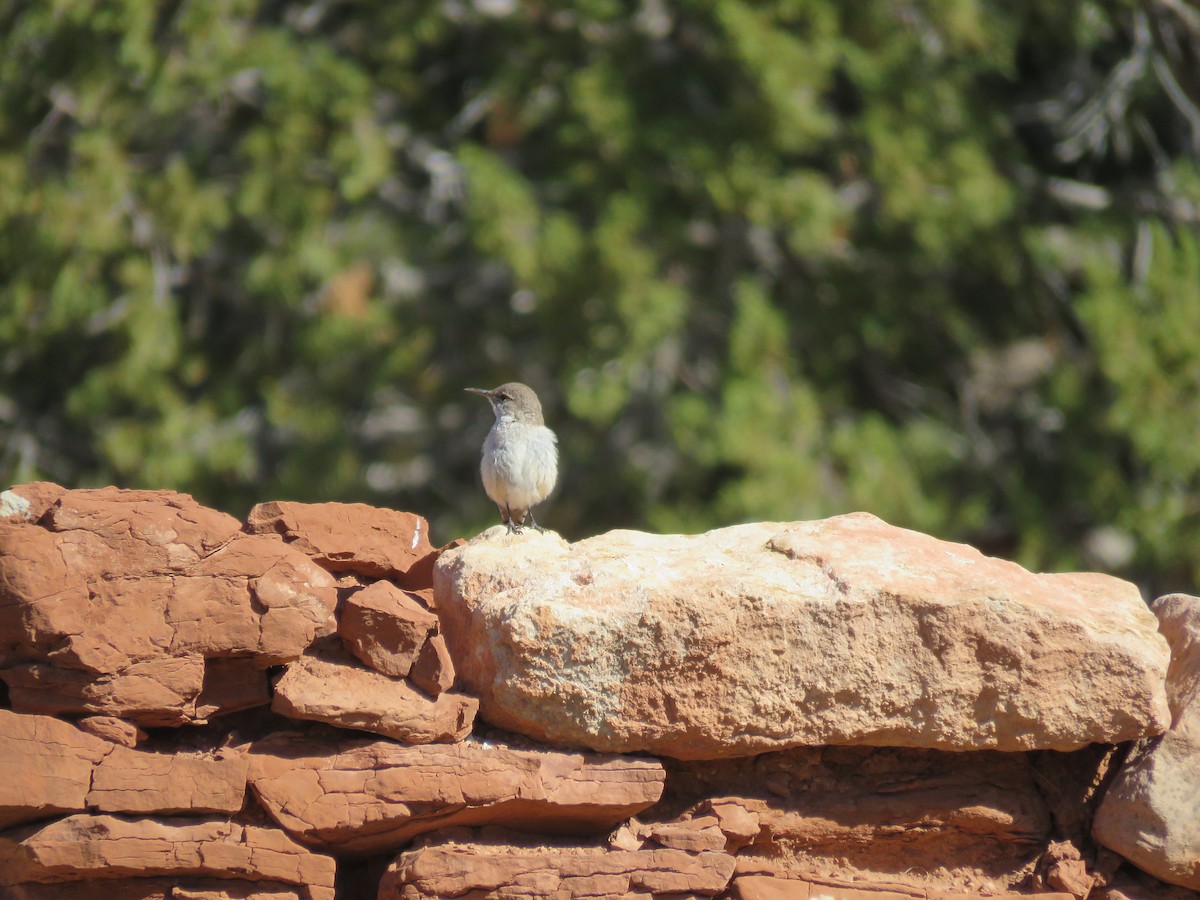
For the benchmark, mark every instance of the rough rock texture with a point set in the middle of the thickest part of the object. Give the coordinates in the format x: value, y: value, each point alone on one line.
x: 367, y: 796
x: 978, y: 820
x: 113, y: 600
x: 496, y: 869
x: 81, y: 847
x: 763, y: 636
x: 133, y: 781
x: 112, y: 729
x: 771, y: 887
x: 55, y: 768
x: 54, y: 761
x: 433, y: 672
x: 1151, y: 813
x: 159, y: 889
x: 335, y: 690
x: 351, y: 537
x: 385, y: 628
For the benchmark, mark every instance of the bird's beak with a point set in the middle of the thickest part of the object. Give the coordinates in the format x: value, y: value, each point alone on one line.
x: 480, y: 391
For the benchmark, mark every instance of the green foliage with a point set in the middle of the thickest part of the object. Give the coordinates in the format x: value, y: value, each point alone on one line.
x: 936, y: 260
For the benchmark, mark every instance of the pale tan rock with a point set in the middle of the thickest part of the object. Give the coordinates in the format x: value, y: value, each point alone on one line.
x: 385, y: 628
x: 159, y: 889
x: 110, y: 728
x: 500, y: 870
x: 104, y: 847
x: 764, y: 636
x: 47, y: 766
x: 349, y: 537
x: 113, y: 601
x: 1151, y: 813
x: 132, y: 781
x: 433, y: 672
x: 344, y: 693
x: 363, y: 796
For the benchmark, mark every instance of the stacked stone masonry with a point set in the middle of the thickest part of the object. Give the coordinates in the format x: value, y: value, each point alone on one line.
x: 316, y: 703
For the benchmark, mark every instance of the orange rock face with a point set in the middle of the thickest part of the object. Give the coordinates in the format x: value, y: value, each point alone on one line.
x: 350, y: 537
x: 500, y: 870
x: 385, y: 628
x: 365, y: 796
x: 338, y: 691
x: 104, y: 847
x: 115, y: 601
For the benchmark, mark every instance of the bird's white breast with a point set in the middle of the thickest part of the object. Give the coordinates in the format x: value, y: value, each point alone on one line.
x: 520, y: 464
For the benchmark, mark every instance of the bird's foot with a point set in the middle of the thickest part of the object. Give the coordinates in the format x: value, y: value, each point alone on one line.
x: 513, y: 527
x: 534, y: 525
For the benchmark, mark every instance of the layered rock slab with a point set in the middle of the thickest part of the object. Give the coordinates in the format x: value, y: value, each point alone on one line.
x: 351, y: 537
x: 82, y: 847
x: 160, y: 889
x: 135, y: 604
x: 976, y: 819
x: 330, y: 687
x: 1151, y: 813
x: 496, y: 869
x: 367, y: 796
x: 765, y: 636
x: 56, y: 768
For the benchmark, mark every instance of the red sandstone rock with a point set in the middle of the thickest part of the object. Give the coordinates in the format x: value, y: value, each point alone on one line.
x: 385, y: 628
x: 340, y: 537
x: 28, y: 502
x: 502, y: 870
x: 341, y: 692
x: 367, y: 796
x: 767, y: 635
x: 159, y: 889
x: 47, y: 766
x: 1151, y: 813
x: 976, y: 818
x: 768, y: 887
x: 433, y: 672
x: 110, y: 728
x: 55, y: 768
x: 114, y: 600
x: 136, y: 782
x: 102, y: 847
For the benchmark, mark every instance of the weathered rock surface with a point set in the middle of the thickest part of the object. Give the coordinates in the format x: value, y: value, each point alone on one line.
x: 881, y: 809
x: 110, y: 728
x: 159, y: 889
x: 1151, y: 813
x: 366, y: 796
x: 48, y: 767
x: 505, y: 870
x: 385, y: 628
x: 57, y: 768
x: 338, y: 691
x: 764, y: 636
x: 113, y: 601
x: 433, y: 672
x: 773, y: 887
x: 351, y: 537
x: 133, y: 781
x: 101, y: 847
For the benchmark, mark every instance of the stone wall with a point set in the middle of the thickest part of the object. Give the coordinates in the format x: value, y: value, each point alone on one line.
x: 317, y: 703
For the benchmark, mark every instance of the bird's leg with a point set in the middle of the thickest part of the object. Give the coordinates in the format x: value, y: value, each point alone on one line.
x: 532, y: 521
x: 506, y: 515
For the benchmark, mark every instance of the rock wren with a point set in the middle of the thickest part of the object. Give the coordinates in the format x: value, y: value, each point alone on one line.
x: 520, y: 454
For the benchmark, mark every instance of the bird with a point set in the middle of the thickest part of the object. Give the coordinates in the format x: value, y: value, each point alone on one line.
x: 520, y: 454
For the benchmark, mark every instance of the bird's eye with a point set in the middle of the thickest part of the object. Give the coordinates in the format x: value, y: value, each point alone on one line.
x: 503, y: 397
